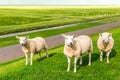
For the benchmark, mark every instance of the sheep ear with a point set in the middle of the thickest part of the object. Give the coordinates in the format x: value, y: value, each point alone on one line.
x: 64, y: 35
x: 75, y: 35
x: 110, y: 34
x: 17, y: 37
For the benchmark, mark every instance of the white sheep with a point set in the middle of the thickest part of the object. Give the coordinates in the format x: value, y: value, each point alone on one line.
x: 32, y: 46
x: 76, y: 47
x: 105, y: 43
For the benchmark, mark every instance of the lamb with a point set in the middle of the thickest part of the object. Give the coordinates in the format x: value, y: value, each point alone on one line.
x: 105, y: 43
x: 35, y: 45
x: 76, y: 47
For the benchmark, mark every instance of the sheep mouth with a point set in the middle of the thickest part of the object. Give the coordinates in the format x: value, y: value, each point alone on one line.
x: 23, y: 44
x: 71, y: 45
x: 105, y: 42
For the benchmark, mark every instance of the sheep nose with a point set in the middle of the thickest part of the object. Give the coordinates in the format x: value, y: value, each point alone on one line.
x: 22, y: 44
x: 71, y: 43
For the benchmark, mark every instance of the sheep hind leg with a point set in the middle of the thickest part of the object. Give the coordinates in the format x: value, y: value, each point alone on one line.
x: 75, y: 61
x: 46, y: 52
x: 68, y: 69
x: 108, y: 56
x: 89, y: 58
x: 31, y: 57
x: 80, y: 59
x: 40, y: 54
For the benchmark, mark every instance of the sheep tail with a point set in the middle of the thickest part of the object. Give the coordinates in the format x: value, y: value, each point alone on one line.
x: 46, y: 46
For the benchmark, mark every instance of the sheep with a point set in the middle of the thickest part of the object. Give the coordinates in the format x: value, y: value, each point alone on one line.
x: 76, y: 46
x: 35, y: 45
x: 105, y: 43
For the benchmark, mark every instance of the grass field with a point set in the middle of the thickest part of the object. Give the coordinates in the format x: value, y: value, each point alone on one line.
x: 54, y: 67
x: 16, y: 20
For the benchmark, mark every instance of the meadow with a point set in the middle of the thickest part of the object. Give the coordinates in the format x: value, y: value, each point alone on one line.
x: 18, y: 20
x: 54, y: 67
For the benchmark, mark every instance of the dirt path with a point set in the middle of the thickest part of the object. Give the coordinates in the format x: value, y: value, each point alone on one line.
x: 12, y: 52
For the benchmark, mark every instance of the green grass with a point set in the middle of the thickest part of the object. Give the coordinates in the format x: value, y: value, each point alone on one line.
x: 54, y: 67
x: 17, y: 20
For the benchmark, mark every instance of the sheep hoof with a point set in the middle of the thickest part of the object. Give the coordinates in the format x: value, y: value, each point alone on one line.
x: 80, y: 63
x: 68, y: 70
x: 89, y: 64
x: 26, y: 64
x: 74, y: 71
x: 107, y: 62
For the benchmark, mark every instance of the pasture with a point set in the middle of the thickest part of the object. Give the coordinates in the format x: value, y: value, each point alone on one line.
x: 18, y: 20
x: 54, y: 67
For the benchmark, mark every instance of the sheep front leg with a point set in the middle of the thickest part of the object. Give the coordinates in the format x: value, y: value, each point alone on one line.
x: 75, y: 61
x: 108, y: 56
x: 101, y: 55
x: 31, y: 57
x: 26, y: 58
x: 68, y: 69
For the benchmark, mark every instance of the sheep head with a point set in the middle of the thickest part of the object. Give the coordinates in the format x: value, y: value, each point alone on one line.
x: 69, y: 39
x: 105, y: 37
x: 22, y: 40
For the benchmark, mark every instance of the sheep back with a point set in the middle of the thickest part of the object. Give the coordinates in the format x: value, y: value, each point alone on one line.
x: 84, y: 43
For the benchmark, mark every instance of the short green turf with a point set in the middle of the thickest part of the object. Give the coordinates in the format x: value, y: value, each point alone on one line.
x: 54, y: 67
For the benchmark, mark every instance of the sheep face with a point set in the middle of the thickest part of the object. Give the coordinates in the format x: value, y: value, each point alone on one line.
x: 105, y: 37
x: 69, y: 40
x: 22, y: 40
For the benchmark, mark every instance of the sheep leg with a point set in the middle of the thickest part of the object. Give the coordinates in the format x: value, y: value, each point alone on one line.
x: 31, y: 56
x: 101, y: 55
x: 75, y: 61
x: 80, y: 59
x: 26, y: 59
x: 40, y: 54
x: 46, y: 52
x: 89, y: 58
x: 68, y: 69
x: 108, y: 56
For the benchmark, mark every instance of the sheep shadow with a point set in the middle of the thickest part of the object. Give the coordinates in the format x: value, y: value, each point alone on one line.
x: 112, y: 54
x: 85, y: 58
x: 95, y: 57
x: 45, y: 57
